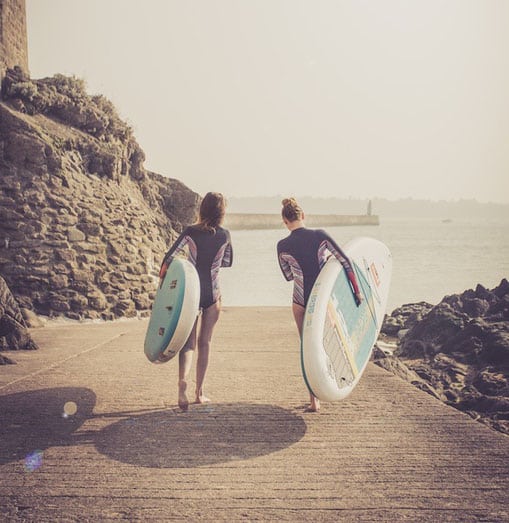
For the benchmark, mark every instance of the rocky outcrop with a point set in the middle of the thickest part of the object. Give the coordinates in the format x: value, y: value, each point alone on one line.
x: 83, y: 226
x: 460, y: 349
x: 406, y: 316
x: 14, y: 334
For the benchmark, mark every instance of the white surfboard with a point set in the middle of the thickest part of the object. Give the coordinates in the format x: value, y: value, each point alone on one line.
x: 174, y: 312
x: 338, y: 336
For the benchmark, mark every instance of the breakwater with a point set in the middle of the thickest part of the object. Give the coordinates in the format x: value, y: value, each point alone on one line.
x: 238, y: 221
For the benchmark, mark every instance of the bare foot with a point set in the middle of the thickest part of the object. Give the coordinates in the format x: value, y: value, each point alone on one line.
x: 314, y: 405
x: 183, y: 401
x: 200, y: 398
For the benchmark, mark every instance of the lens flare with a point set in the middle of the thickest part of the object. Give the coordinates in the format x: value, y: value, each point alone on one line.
x: 70, y: 408
x: 33, y: 461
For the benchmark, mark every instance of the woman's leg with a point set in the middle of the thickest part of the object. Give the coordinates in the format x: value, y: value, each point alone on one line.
x: 185, y: 362
x: 298, y: 314
x: 209, y: 318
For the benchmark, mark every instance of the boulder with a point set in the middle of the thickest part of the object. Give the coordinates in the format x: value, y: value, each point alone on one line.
x: 405, y: 317
x: 14, y: 333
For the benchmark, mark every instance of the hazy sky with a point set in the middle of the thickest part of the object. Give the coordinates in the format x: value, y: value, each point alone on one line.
x: 361, y: 98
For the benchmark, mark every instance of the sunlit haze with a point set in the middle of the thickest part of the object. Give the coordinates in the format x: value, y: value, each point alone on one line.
x: 338, y: 98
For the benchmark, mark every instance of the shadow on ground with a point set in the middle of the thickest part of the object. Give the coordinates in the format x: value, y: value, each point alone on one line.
x: 205, y: 435
x: 34, y: 420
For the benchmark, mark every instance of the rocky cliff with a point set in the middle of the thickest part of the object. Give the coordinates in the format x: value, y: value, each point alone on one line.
x: 457, y: 350
x: 83, y: 225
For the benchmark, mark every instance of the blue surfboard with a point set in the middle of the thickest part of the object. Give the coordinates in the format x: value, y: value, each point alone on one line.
x: 174, y: 311
x: 338, y: 336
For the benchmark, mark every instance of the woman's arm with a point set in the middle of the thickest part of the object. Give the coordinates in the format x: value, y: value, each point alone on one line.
x: 338, y: 253
x: 227, y: 260
x: 284, y: 264
x: 177, y: 247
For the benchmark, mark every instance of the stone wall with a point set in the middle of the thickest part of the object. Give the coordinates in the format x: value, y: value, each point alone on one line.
x: 13, y: 35
x: 83, y: 226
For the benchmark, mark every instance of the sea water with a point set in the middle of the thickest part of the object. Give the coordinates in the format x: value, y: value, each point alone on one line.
x: 431, y: 259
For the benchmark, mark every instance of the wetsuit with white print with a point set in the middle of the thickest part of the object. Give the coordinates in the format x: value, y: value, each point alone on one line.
x: 301, y: 256
x: 208, y: 251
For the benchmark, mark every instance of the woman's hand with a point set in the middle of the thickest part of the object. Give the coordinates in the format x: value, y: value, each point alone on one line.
x: 162, y: 271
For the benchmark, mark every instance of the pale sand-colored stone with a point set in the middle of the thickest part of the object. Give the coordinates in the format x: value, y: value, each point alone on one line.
x: 389, y: 452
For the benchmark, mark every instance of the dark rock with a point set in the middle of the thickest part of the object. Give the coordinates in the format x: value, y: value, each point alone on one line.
x: 481, y: 342
x: 4, y: 360
x: 14, y: 334
x: 440, y: 324
x: 392, y: 326
x: 499, y: 310
x: 491, y: 382
x: 503, y: 289
x: 415, y: 349
x: 475, y: 307
x: 460, y: 349
x: 405, y: 317
x: 397, y: 367
x: 31, y: 319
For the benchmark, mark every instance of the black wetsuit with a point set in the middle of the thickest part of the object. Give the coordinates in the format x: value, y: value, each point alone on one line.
x: 303, y: 253
x: 208, y: 252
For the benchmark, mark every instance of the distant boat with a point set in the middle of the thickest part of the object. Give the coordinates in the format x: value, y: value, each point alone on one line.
x: 447, y: 220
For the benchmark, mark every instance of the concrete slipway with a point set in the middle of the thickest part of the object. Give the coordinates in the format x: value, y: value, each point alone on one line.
x: 388, y: 453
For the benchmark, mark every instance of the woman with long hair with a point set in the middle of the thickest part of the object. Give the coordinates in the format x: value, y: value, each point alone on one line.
x: 208, y: 247
x: 301, y: 256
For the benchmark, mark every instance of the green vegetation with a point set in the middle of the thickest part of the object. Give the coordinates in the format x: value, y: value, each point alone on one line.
x: 65, y: 98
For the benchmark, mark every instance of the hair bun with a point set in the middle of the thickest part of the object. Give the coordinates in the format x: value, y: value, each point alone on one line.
x: 291, y: 210
x: 291, y: 202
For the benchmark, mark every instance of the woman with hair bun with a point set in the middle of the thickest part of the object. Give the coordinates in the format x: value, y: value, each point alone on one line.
x: 301, y: 256
x: 208, y: 247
